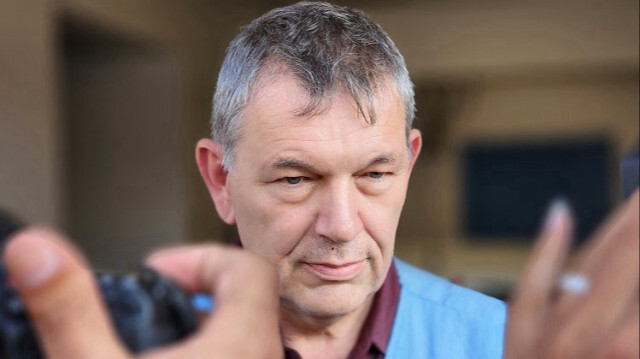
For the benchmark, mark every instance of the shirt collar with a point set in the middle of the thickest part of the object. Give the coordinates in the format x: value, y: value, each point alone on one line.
x: 376, y: 330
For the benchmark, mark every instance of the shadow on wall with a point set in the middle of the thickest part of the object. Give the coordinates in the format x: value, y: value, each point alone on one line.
x: 123, y: 176
x: 8, y: 225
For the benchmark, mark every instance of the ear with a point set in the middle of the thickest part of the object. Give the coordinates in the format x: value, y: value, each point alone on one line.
x: 209, y: 160
x: 415, y: 145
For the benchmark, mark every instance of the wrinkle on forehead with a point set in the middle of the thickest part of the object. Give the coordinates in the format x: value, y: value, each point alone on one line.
x: 332, y: 131
x: 337, y: 145
x: 274, y: 72
x: 271, y: 125
x: 288, y: 97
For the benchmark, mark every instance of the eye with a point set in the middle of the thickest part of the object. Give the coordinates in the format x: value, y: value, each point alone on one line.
x: 293, y: 180
x: 376, y: 175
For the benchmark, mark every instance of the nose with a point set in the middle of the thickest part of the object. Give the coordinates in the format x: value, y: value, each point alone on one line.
x: 339, y: 213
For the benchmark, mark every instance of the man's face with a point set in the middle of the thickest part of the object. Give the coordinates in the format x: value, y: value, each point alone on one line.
x: 320, y: 196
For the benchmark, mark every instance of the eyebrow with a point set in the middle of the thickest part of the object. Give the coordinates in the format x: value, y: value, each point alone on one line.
x: 292, y: 163
x: 382, y: 159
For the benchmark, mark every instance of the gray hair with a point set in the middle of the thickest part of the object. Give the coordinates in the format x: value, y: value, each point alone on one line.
x: 326, y: 47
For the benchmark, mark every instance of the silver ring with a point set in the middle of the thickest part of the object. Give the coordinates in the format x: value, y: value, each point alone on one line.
x: 574, y: 283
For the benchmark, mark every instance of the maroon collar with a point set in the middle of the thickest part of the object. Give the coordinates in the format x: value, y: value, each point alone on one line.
x: 376, y: 330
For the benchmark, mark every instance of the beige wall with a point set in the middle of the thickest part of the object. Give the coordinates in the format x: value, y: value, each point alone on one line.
x: 29, y: 137
x: 444, y: 39
x: 124, y: 179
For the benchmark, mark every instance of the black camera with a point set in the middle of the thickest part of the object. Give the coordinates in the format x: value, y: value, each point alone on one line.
x: 146, y: 309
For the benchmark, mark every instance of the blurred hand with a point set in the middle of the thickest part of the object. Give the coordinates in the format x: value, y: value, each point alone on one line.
x: 546, y: 322
x: 63, y: 301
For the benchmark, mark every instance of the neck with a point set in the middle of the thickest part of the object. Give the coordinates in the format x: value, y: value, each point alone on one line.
x: 323, y: 337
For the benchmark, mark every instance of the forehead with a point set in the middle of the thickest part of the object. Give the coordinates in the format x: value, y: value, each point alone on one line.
x: 272, y: 126
x: 278, y: 93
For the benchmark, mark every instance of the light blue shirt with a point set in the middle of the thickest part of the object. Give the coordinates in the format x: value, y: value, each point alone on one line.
x: 437, y: 319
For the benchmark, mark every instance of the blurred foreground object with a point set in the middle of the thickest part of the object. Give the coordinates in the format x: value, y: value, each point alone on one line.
x: 147, y: 310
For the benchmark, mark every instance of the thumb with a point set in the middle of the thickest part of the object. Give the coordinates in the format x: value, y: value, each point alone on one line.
x: 60, y: 296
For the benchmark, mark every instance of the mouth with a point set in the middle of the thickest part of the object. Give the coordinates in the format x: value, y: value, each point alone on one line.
x: 336, y: 271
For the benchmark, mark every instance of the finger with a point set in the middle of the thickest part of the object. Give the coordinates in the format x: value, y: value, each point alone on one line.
x: 613, y: 272
x: 600, y: 243
x: 245, y: 288
x: 596, y: 252
x: 179, y: 264
x: 219, y: 270
x: 623, y: 343
x: 527, y: 310
x: 606, y: 251
x: 60, y: 296
x: 197, y: 268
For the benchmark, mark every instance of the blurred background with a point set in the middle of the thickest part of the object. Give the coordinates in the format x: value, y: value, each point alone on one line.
x: 102, y: 101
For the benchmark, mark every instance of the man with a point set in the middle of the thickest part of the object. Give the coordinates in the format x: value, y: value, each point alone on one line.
x: 311, y: 155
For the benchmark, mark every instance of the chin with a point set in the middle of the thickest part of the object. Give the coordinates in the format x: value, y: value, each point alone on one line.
x: 330, y: 301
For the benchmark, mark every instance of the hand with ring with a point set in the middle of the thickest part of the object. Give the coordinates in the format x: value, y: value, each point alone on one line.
x: 592, y: 310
